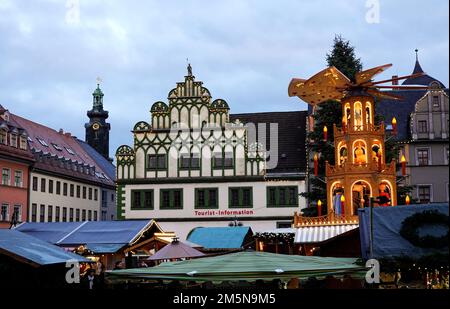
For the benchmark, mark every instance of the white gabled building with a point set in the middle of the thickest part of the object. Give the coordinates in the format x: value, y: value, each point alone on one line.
x: 193, y: 167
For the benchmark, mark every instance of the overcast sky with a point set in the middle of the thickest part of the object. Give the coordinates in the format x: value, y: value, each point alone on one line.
x: 245, y: 52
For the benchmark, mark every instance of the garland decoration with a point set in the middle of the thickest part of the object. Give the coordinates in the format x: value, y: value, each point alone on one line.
x: 410, y: 229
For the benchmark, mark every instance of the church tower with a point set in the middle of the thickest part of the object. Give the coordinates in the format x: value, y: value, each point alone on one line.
x: 97, y: 129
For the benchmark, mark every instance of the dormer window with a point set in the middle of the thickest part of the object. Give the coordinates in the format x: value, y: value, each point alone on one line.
x: 14, y: 140
x: 3, y: 137
x: 57, y: 147
x: 42, y: 142
x: 23, y: 143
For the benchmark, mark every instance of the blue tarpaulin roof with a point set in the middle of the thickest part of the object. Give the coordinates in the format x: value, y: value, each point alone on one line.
x: 220, y: 237
x: 87, y: 232
x: 387, y: 222
x: 25, y: 247
x: 51, y: 232
x: 105, y: 248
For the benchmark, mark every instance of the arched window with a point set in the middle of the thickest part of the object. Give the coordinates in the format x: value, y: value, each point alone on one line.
x: 361, y: 193
x: 342, y: 153
x: 384, y: 194
x: 347, y: 112
x: 359, y: 152
x: 377, y: 151
x: 368, y: 113
x: 358, y: 116
x: 336, y: 191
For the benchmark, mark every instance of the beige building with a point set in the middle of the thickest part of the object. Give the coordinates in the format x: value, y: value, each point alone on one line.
x: 427, y: 153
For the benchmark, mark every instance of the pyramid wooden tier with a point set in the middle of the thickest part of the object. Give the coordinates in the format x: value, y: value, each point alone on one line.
x: 360, y: 171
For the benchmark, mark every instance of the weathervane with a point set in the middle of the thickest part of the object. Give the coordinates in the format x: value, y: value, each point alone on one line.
x: 99, y: 80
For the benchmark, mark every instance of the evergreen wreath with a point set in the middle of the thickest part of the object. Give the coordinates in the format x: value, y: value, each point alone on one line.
x: 410, y: 229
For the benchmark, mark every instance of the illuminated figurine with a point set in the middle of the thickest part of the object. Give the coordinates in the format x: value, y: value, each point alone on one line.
x: 384, y: 196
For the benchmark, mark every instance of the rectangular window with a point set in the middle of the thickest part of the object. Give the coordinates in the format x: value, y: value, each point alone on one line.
x: 65, y: 188
x: 83, y: 215
x: 95, y: 194
x: 14, y: 140
x: 84, y: 192
x: 422, y: 156
x: 42, y: 213
x: 171, y: 199
x: 78, y: 191
x: 58, y: 187
x: 436, y: 101
x: 223, y: 160
x: 141, y: 199
x: 206, y: 198
x: 240, y: 197
x: 23, y: 143
x: 422, y: 126
x: 64, y: 214
x: 190, y: 161
x: 18, y: 179
x: 57, y: 214
x: 90, y: 193
x: 4, y: 212
x: 43, y: 182
x: 71, y: 214
x: 72, y: 190
x: 50, y: 186
x: 17, y: 213
x: 103, y: 215
x: 77, y: 215
x: 3, y: 137
x: 95, y: 215
x: 33, y: 212
x: 282, y: 196
x: 112, y: 197
x: 6, y: 177
x: 157, y: 162
x: 50, y: 213
x: 424, y: 194
x: 89, y: 215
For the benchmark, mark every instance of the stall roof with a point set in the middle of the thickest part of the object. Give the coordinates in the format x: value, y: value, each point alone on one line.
x: 88, y: 232
x: 51, y: 232
x: 220, y: 237
x: 244, y: 265
x: 176, y: 250
x: 28, y: 249
x: 105, y: 248
x: 317, y: 234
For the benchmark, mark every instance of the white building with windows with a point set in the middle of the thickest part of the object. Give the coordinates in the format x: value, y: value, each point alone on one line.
x: 197, y: 165
x: 66, y: 181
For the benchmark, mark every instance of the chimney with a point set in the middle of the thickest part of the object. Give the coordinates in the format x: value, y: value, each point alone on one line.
x: 61, y: 131
x: 395, y: 82
x: 68, y: 134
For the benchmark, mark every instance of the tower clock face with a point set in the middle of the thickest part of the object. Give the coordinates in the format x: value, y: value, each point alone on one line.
x: 96, y: 126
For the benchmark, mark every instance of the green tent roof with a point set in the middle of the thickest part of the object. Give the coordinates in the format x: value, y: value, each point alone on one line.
x: 245, y: 265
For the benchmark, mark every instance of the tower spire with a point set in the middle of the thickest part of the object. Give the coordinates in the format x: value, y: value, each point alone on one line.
x: 97, y: 97
x: 417, y: 54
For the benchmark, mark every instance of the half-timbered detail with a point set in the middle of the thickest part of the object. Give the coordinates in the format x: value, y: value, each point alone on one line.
x: 201, y: 166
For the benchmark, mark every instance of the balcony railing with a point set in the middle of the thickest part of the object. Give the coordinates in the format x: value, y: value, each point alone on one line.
x: 348, y: 167
x: 330, y: 219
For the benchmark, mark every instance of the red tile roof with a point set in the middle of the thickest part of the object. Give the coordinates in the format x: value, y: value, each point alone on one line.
x: 65, y: 142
